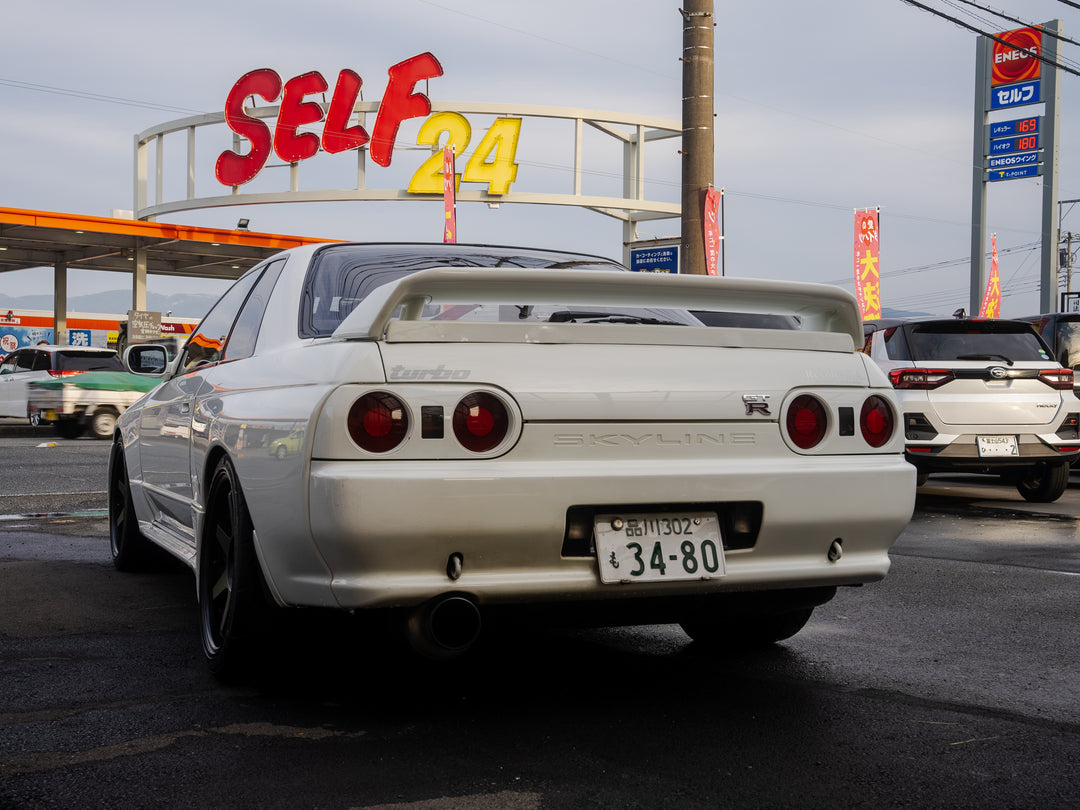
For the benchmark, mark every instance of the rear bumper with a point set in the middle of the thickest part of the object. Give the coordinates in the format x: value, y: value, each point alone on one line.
x: 386, y: 530
x: 962, y: 453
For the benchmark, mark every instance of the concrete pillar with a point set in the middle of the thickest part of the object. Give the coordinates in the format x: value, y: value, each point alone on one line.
x: 60, y: 302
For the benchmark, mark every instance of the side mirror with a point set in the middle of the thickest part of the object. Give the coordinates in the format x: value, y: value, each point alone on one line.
x: 147, y: 359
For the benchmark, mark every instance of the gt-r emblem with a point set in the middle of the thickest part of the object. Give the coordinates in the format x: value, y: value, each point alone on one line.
x: 757, y: 403
x: 999, y: 373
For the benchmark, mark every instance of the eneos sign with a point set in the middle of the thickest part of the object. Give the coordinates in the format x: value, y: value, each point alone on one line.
x: 1016, y: 56
x: 493, y: 161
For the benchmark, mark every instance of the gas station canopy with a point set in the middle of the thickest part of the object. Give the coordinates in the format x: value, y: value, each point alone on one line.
x: 30, y: 239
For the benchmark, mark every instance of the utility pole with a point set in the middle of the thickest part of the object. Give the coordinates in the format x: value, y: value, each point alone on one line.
x: 697, y: 135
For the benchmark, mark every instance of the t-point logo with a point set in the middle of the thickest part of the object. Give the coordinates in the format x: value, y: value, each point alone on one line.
x: 1016, y: 56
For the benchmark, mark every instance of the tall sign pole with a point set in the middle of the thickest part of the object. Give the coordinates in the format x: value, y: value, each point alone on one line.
x: 697, y: 134
x: 1016, y: 71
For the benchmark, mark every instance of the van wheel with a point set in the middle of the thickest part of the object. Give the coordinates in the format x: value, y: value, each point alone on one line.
x: 1045, y: 483
x: 103, y: 422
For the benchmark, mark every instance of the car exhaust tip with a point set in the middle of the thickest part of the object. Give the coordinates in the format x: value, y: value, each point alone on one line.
x: 836, y: 550
x: 445, y: 627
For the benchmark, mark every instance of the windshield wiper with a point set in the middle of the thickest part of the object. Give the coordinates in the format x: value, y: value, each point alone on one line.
x: 572, y: 316
x: 985, y: 357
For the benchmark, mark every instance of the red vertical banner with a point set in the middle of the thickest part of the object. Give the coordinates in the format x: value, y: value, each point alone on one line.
x: 449, y: 197
x: 991, y: 303
x: 712, y: 230
x: 867, y: 271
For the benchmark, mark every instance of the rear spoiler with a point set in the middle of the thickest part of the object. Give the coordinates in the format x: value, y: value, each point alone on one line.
x: 820, y: 307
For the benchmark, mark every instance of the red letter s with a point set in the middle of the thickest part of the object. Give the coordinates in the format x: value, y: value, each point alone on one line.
x: 231, y: 168
x: 399, y: 103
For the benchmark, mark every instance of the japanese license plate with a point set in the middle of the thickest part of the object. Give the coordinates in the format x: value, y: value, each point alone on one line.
x: 997, y: 446
x: 658, y: 547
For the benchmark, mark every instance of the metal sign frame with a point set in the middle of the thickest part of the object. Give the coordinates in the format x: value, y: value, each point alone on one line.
x: 634, y: 132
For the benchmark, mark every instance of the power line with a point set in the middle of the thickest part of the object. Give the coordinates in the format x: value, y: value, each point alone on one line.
x: 64, y: 91
x: 986, y: 34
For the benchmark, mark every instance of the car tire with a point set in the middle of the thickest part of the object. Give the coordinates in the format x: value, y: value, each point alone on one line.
x: 70, y: 428
x: 103, y: 422
x: 281, y: 452
x: 34, y: 417
x: 131, y: 551
x: 1045, y: 483
x: 234, y: 609
x: 746, y: 631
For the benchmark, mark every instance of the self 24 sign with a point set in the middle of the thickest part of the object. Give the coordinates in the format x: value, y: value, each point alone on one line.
x: 492, y: 162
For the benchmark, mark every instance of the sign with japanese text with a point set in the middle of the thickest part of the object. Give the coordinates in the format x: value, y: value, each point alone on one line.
x: 655, y: 259
x: 1015, y: 68
x: 449, y: 179
x: 143, y: 326
x: 867, y: 271
x: 712, y: 231
x: 991, y: 302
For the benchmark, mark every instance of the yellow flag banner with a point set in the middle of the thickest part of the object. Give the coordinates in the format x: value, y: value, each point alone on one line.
x: 867, y: 272
x: 991, y: 302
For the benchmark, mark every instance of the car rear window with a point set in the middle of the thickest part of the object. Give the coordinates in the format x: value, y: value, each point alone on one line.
x: 105, y: 360
x: 341, y: 276
x: 1007, y: 341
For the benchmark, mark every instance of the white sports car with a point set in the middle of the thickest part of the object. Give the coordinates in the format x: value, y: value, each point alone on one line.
x: 442, y: 431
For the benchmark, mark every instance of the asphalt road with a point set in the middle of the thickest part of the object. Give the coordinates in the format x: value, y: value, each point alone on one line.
x: 952, y: 683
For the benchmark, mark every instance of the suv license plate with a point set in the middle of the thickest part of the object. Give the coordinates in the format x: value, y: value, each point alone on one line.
x: 997, y: 446
x: 658, y: 547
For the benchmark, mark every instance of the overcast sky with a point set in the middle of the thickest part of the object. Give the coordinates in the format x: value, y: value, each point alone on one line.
x: 822, y: 107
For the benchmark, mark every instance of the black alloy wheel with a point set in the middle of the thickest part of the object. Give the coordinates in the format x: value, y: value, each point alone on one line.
x: 233, y: 607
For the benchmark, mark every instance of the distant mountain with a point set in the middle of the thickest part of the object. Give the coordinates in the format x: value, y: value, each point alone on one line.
x: 889, y: 312
x: 118, y: 302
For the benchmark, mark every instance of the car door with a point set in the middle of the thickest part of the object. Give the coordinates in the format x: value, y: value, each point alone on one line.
x: 167, y: 426
x: 18, y: 369
x: 9, y: 382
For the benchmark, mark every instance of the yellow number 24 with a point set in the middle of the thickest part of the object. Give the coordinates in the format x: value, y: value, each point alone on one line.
x: 492, y: 163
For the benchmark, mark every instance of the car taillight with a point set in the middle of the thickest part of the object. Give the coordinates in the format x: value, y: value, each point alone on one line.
x: 481, y: 422
x: 378, y: 422
x: 876, y: 421
x: 919, y: 378
x: 57, y: 373
x: 806, y: 421
x: 1059, y: 378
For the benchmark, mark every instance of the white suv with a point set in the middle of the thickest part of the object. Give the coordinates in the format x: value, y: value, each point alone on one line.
x: 981, y: 396
x: 30, y: 363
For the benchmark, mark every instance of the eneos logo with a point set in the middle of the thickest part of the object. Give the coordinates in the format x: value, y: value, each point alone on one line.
x: 1016, y: 59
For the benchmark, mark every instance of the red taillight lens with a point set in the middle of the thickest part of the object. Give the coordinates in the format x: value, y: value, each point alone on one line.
x: 806, y: 421
x: 378, y: 422
x: 481, y: 422
x: 876, y: 421
x: 919, y: 378
x: 1059, y: 378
